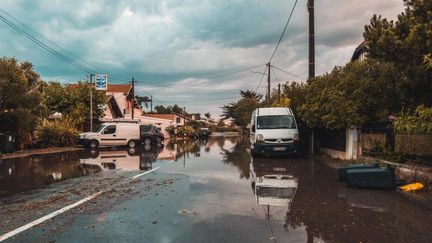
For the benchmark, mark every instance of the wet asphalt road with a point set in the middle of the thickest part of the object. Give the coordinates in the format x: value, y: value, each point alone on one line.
x: 208, y: 191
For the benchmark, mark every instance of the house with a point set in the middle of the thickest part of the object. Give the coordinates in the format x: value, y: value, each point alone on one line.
x: 119, y: 105
x: 163, y: 120
x: 119, y: 102
x: 360, y: 52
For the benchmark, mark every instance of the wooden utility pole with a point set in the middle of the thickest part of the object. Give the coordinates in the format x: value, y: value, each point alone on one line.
x: 279, y: 93
x: 91, y: 103
x: 133, y: 97
x: 151, y: 103
x: 268, y: 83
x: 310, y: 6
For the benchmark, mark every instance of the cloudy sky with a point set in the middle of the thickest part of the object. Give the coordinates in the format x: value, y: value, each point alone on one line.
x: 179, y: 50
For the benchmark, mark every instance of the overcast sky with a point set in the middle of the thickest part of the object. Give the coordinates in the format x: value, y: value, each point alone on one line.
x: 173, y: 47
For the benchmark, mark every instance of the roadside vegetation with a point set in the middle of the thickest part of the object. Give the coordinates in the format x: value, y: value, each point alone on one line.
x: 394, y: 79
x: 28, y: 105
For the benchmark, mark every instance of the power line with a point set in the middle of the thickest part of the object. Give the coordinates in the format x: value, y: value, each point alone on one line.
x: 283, y: 32
x: 259, y: 84
x: 204, y: 78
x: 290, y: 73
x: 44, y: 46
x: 92, y: 68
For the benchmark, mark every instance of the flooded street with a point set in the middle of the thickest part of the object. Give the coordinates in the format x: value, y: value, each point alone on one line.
x: 195, y: 192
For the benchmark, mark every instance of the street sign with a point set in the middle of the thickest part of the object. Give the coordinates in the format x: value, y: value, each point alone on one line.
x: 101, y: 82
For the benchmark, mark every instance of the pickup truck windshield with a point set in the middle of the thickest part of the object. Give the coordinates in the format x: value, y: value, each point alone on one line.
x: 276, y: 122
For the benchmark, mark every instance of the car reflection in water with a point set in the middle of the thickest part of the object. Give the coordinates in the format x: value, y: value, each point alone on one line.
x: 271, y: 184
x: 133, y: 159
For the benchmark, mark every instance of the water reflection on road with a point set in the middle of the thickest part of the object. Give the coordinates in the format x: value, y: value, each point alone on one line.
x: 231, y: 197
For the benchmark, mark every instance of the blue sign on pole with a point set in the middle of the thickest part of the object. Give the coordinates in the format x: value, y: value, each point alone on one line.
x: 101, y: 82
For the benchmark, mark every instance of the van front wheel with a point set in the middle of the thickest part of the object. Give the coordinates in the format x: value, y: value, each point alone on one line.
x: 131, y: 144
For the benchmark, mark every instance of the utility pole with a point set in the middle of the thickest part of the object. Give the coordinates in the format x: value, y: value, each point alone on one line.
x: 151, y: 103
x: 91, y: 102
x: 310, y: 6
x: 133, y: 96
x: 279, y: 93
x: 268, y: 83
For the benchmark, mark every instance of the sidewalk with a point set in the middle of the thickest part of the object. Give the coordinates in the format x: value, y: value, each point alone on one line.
x: 29, y: 152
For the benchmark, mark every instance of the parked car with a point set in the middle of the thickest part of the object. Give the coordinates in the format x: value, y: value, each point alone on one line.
x: 273, y: 131
x: 112, y: 134
x: 150, y: 134
x: 204, y: 133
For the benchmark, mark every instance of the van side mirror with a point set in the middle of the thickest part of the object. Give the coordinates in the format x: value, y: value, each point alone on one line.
x: 253, y: 128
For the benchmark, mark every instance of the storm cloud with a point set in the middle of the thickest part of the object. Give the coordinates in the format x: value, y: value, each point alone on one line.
x: 172, y: 47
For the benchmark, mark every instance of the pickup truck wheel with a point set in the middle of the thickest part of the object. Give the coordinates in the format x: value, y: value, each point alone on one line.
x: 131, y: 144
x: 94, y: 144
x: 147, y: 141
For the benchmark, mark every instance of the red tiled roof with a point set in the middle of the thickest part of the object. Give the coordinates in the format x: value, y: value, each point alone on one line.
x: 162, y: 116
x: 124, y: 88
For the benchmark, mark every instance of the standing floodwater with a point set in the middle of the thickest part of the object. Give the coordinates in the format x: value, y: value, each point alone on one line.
x: 207, y: 190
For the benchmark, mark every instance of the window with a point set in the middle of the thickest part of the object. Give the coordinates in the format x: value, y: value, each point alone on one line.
x: 178, y: 120
x: 110, y: 129
x: 276, y: 122
x: 99, y: 128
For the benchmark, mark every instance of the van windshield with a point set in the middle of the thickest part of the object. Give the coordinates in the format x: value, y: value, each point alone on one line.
x: 276, y: 122
x: 98, y: 128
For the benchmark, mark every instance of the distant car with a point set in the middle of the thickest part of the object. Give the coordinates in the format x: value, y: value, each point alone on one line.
x: 151, y: 135
x: 204, y: 132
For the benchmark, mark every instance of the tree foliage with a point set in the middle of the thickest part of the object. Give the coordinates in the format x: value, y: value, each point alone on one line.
x: 240, y: 112
x: 73, y: 100
x: 357, y: 93
x: 20, y: 99
x: 406, y: 43
x: 419, y: 122
x: 175, y: 109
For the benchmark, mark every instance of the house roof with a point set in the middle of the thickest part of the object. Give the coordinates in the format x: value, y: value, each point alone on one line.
x: 162, y: 116
x: 362, y: 48
x: 117, y: 88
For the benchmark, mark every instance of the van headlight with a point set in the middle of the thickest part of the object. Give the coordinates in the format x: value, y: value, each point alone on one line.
x: 296, y: 137
x: 260, y: 138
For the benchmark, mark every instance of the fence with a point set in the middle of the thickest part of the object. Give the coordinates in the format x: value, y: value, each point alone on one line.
x: 414, y: 144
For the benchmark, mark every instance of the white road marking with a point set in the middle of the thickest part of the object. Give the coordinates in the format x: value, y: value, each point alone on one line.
x: 60, y: 211
x: 147, y: 172
x: 47, y: 217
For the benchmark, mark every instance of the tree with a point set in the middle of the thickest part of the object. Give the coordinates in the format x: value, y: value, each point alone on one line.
x: 20, y: 99
x: 73, y: 100
x: 355, y: 94
x: 240, y: 112
x: 160, y: 109
x: 406, y: 43
x: 208, y: 115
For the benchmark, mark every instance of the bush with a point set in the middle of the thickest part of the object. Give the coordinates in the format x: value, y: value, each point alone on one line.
x: 58, y: 132
x: 420, y: 122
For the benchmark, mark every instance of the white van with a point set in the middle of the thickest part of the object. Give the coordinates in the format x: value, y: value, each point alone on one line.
x: 112, y: 134
x: 273, y: 131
